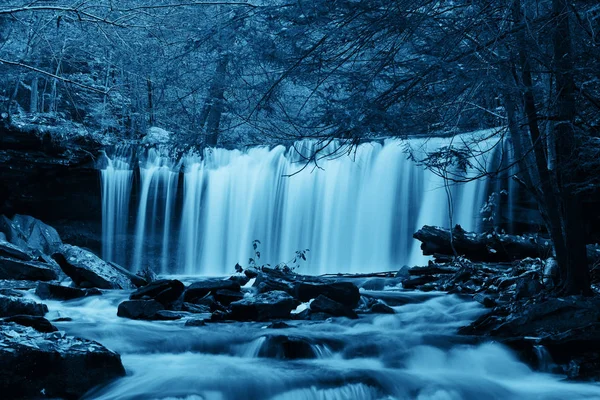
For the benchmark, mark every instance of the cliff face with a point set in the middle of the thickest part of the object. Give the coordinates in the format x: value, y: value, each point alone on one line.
x: 55, y: 181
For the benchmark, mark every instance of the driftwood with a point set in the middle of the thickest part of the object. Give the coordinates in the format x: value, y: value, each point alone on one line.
x: 487, y: 247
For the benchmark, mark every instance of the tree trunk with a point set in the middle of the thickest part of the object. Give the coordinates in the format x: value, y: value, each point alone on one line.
x: 215, y: 103
x: 150, y: 102
x: 33, y: 102
x: 558, y: 202
x: 575, y: 275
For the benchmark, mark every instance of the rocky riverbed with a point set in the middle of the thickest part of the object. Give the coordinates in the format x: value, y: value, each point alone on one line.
x: 76, y: 326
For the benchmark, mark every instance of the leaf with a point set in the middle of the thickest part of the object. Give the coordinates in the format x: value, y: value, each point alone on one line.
x: 258, y: 254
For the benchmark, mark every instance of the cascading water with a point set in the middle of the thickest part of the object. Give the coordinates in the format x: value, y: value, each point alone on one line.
x: 116, y: 178
x: 355, y: 214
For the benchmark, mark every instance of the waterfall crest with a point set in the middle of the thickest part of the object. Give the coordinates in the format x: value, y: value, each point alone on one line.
x: 355, y: 213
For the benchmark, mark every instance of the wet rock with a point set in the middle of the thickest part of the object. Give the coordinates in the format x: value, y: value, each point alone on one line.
x: 88, y: 270
x: 403, y: 273
x: 38, y: 323
x: 487, y: 301
x: 10, y: 306
x: 263, y: 307
x: 147, y: 275
x: 164, y: 291
x: 310, y: 315
x: 326, y: 305
x: 17, y: 284
x: 11, y: 293
x: 139, y: 309
x: 382, y: 308
x: 278, y: 325
x: 46, y: 290
x: 268, y: 282
x: 59, y: 366
x: 27, y: 232
x: 168, y: 315
x: 219, y: 315
x: 196, y: 308
x: 287, y: 348
x: 195, y: 322
x: 240, y: 279
x: 198, y: 290
x: 25, y: 270
x: 345, y: 293
x: 374, y: 284
x: 251, y: 273
x: 527, y: 287
x: 8, y: 249
x: 227, y: 297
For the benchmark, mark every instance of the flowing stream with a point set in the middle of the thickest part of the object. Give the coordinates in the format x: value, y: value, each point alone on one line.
x: 199, y: 214
x: 413, y: 354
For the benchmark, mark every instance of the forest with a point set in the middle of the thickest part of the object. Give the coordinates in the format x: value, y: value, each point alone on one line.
x: 289, y: 199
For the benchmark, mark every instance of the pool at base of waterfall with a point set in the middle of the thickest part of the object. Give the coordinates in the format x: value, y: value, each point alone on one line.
x: 413, y: 354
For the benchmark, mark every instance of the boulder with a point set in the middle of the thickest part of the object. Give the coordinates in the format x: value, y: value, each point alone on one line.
x: 27, y: 232
x: 226, y: 297
x: 263, y: 307
x: 195, y: 322
x: 8, y: 249
x: 323, y: 304
x: 278, y: 325
x: 25, y: 270
x: 88, y: 270
x: 164, y: 291
x: 10, y: 306
x: 196, y: 308
x: 382, y: 308
x: 198, y: 290
x: 140, y: 309
x: 38, y: 323
x: 168, y: 315
x: 310, y: 315
x: 33, y: 364
x: 287, y: 348
x: 345, y: 293
x: 17, y: 284
x: 273, y: 280
x: 47, y: 290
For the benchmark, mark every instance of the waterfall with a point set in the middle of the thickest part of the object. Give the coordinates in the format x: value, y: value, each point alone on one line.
x: 354, y: 213
x: 116, y: 180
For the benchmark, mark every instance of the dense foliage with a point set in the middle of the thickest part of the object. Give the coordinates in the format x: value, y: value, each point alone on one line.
x: 243, y: 72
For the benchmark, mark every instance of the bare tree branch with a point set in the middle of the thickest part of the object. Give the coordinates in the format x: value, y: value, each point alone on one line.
x: 63, y: 79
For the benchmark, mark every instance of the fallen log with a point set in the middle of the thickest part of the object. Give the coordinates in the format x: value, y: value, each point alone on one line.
x: 487, y: 247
